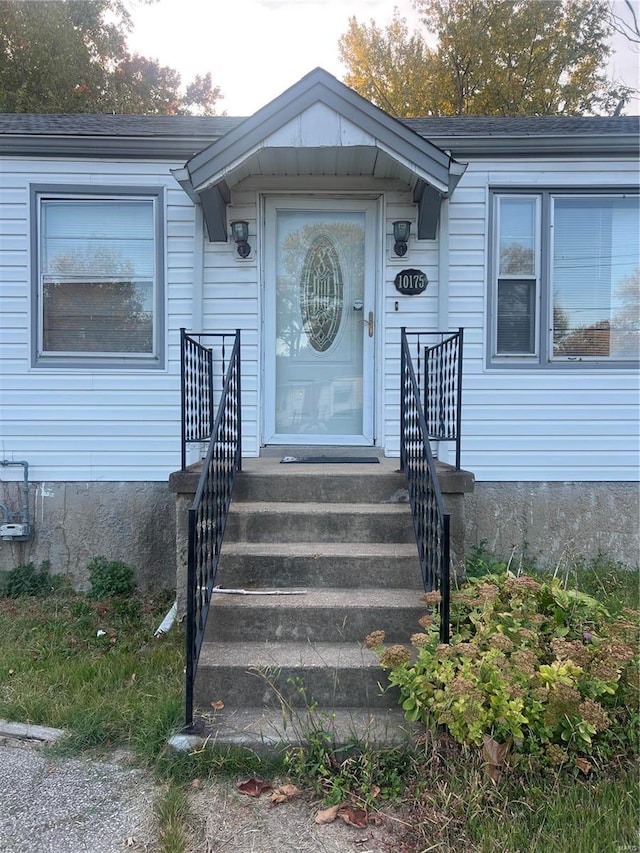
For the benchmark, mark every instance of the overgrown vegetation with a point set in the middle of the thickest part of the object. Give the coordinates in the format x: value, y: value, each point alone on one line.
x: 537, y: 673
x: 92, y: 666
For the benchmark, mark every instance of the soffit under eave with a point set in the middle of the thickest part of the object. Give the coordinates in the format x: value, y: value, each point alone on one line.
x: 373, y: 161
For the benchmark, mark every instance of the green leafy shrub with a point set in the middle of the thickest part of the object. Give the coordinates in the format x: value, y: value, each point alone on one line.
x: 531, y: 665
x: 28, y: 580
x: 110, y: 578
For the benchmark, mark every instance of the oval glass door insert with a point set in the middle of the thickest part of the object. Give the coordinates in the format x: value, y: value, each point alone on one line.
x: 321, y: 293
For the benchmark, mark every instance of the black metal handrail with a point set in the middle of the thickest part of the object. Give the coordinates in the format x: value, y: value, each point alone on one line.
x: 204, y: 358
x: 208, y: 514
x: 431, y: 522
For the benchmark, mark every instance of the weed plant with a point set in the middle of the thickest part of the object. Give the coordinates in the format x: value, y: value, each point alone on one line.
x: 27, y: 580
x: 109, y: 578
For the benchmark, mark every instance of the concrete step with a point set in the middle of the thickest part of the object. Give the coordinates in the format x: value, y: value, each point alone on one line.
x: 266, y: 729
x: 298, y: 675
x: 319, y: 522
x: 269, y: 480
x: 317, y: 616
x: 325, y: 564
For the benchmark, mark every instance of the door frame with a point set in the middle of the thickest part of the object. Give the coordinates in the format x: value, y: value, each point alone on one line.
x: 372, y: 386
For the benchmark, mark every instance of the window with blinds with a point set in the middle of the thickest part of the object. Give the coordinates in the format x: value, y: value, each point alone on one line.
x: 98, y: 278
x: 595, y: 269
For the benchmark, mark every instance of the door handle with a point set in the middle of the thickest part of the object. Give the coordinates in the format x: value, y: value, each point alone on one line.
x: 370, y: 324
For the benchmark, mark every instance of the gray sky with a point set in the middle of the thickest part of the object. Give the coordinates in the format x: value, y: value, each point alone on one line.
x: 255, y: 49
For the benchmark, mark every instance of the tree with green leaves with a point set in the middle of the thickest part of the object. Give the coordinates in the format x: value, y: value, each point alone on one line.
x: 71, y: 56
x: 489, y: 57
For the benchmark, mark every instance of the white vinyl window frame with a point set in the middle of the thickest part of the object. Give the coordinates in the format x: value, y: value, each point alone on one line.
x: 508, y: 279
x: 153, y: 197
x: 543, y: 357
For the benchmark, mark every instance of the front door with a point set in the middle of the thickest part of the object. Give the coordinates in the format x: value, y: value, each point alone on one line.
x: 320, y: 321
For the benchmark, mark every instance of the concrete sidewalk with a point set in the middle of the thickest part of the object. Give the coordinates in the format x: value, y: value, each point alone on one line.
x: 64, y: 805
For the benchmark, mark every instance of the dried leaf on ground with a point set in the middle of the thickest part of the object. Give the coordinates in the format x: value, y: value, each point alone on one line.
x: 354, y: 816
x: 197, y: 784
x: 253, y: 787
x: 495, y: 755
x: 328, y: 815
x: 284, y: 793
x: 584, y: 765
x: 218, y: 705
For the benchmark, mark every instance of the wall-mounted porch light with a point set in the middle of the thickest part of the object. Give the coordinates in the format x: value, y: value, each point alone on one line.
x: 401, y: 231
x: 240, y: 234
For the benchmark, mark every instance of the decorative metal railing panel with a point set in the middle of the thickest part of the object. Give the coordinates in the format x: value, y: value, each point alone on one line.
x: 437, y: 360
x: 443, y: 386
x: 204, y: 361
x: 209, y: 511
x: 431, y: 522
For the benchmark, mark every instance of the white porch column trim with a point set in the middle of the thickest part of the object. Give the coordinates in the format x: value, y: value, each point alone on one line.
x: 445, y: 449
x: 443, y: 268
x: 197, y: 309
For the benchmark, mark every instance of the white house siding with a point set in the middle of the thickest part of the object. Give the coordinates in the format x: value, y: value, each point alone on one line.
x: 231, y: 300
x: 419, y: 313
x: 123, y: 425
x: 534, y: 424
x: 79, y: 424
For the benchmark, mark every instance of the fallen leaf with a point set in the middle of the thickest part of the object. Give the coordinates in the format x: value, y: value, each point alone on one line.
x: 328, y: 815
x: 375, y: 791
x: 218, y: 705
x: 354, y: 817
x: 253, y: 787
x: 495, y: 755
x: 132, y: 680
x: 284, y: 793
x: 584, y: 765
x: 196, y: 783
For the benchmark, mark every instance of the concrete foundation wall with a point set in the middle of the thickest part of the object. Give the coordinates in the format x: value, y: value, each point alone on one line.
x: 556, y: 522
x: 74, y: 522
x: 144, y: 525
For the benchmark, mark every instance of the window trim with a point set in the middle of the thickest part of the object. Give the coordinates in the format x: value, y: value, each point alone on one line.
x: 544, y: 359
x: 101, y: 361
x: 535, y: 277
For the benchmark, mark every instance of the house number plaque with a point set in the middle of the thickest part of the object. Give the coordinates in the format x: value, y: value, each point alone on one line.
x: 411, y: 282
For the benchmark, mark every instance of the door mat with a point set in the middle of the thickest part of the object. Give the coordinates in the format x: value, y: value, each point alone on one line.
x: 331, y: 460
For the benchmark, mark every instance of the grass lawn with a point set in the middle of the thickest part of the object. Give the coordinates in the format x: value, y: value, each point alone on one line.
x: 95, y: 669
x: 120, y: 688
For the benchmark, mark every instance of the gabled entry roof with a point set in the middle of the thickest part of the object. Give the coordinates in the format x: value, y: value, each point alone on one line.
x: 319, y: 127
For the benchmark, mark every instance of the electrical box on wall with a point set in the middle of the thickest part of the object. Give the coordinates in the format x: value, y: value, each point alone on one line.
x: 14, y: 531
